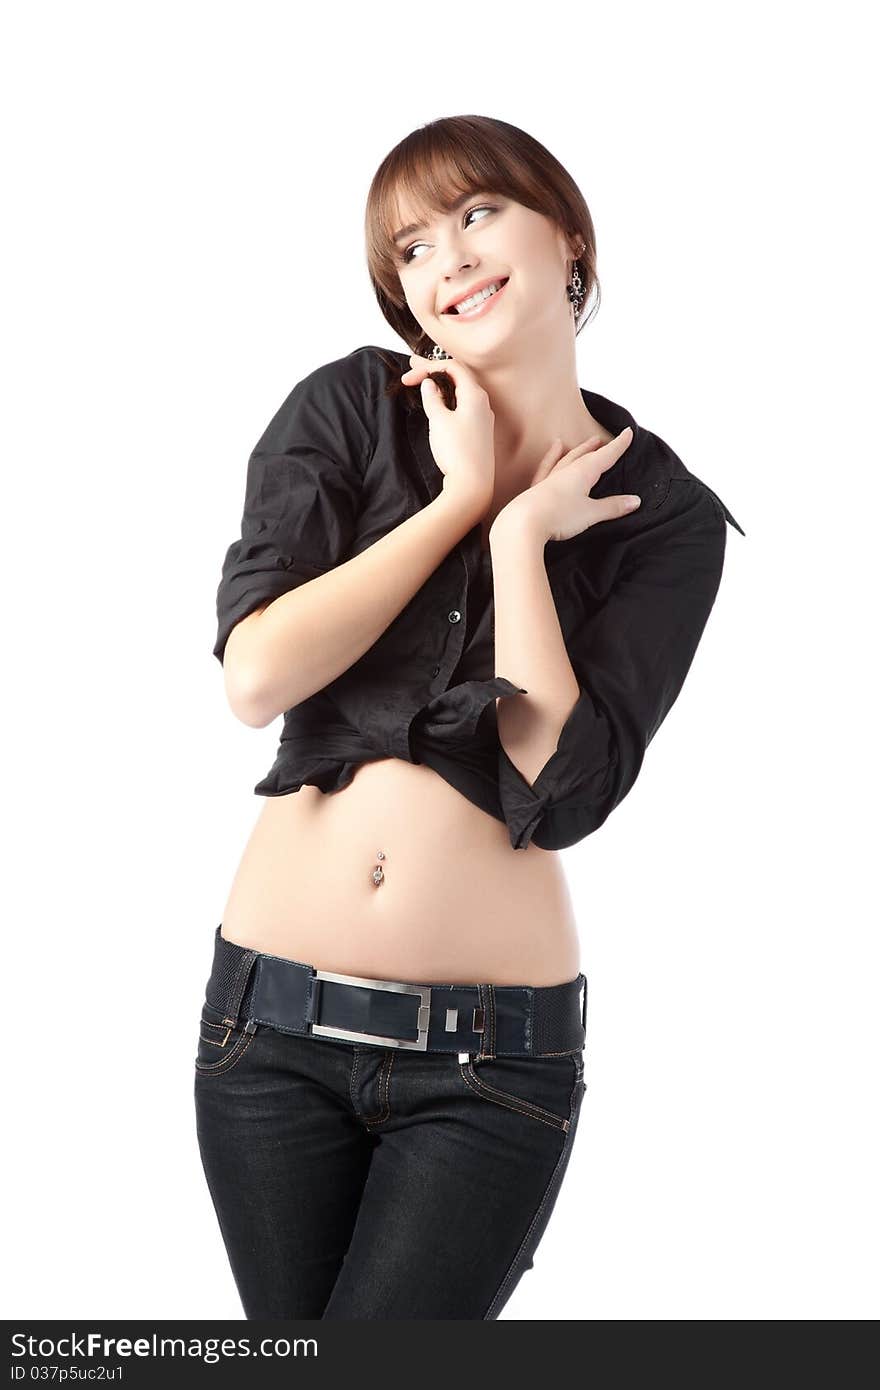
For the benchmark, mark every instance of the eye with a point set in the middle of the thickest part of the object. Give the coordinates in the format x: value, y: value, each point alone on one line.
x: 406, y: 257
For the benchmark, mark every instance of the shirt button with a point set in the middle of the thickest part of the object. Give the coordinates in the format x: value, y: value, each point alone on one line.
x: 436, y: 671
x: 454, y: 616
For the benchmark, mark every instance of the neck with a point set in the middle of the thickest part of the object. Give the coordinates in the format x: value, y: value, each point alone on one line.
x: 534, y: 398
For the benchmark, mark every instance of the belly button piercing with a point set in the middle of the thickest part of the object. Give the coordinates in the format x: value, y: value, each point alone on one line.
x: 377, y: 874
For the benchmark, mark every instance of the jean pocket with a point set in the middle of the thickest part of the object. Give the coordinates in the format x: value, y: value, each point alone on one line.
x: 221, y: 1045
x: 542, y: 1088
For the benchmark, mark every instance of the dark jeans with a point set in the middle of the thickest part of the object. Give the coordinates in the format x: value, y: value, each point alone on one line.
x: 361, y: 1181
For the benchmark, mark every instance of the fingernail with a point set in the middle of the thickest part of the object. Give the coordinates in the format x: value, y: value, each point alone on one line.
x: 632, y: 503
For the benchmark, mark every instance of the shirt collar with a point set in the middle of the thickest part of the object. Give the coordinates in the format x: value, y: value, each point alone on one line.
x: 646, y: 463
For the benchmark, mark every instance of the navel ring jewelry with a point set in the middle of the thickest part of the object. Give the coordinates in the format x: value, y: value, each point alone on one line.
x: 377, y: 874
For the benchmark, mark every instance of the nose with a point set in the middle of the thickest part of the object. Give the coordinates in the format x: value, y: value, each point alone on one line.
x: 454, y: 272
x: 454, y: 260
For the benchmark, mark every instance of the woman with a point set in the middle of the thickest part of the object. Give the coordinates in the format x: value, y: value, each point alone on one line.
x: 472, y: 636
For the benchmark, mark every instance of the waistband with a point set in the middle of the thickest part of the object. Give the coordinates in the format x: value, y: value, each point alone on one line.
x: 480, y: 1020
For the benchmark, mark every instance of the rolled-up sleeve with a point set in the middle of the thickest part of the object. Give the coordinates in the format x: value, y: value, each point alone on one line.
x: 302, y: 494
x: 630, y: 658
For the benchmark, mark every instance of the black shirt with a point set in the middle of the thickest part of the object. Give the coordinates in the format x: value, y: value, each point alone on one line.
x: 340, y: 465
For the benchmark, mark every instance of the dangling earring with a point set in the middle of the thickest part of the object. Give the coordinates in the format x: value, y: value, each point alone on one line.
x: 575, y: 289
x: 438, y: 355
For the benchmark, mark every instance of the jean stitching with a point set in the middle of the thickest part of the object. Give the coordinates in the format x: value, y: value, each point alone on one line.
x: 496, y: 1097
x: 235, y: 1056
x: 237, y: 992
x: 384, y: 1082
x: 278, y: 1027
x: 532, y: 1105
x: 491, y: 990
x: 547, y: 1190
x: 351, y: 1081
x: 225, y: 1028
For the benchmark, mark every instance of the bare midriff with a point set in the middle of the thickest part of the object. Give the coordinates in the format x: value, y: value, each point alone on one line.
x: 456, y: 904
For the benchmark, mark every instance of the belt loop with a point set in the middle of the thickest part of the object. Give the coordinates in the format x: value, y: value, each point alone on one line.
x: 313, y: 1001
x: 239, y: 985
x: 489, y: 1030
x: 584, y: 1008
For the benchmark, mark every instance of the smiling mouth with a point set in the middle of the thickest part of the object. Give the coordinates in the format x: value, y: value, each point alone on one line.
x: 453, y: 308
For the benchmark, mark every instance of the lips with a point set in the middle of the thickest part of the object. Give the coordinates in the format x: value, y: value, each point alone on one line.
x: 501, y: 281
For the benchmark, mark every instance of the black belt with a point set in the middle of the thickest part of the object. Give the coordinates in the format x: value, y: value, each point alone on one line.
x: 482, y: 1020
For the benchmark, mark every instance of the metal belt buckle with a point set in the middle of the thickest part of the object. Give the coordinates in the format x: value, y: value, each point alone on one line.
x: 422, y: 1021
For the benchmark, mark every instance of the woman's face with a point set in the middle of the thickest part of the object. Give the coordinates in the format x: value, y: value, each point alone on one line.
x: 488, y: 237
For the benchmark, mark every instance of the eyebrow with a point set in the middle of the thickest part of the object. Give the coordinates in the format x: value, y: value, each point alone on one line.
x: 420, y: 226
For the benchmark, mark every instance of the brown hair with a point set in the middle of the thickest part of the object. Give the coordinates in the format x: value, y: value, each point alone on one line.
x: 436, y: 164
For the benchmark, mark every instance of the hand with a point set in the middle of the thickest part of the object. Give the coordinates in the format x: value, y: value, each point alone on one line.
x: 558, y: 503
x: 462, y: 440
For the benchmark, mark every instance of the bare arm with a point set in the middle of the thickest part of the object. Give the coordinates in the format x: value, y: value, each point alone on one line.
x: 300, y: 642
x: 529, y: 649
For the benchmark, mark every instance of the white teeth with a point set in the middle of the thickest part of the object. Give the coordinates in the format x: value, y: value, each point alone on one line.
x: 464, y: 304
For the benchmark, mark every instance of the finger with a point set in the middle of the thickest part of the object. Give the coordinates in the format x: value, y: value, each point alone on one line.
x: 609, y: 453
x: 548, y: 462
x: 593, y: 441
x: 432, y: 397
x: 421, y: 366
x: 429, y: 389
x: 588, y: 446
x: 415, y: 375
x: 461, y: 375
x: 620, y: 505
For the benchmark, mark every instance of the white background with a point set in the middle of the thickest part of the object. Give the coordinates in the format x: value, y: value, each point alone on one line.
x: 184, y: 241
